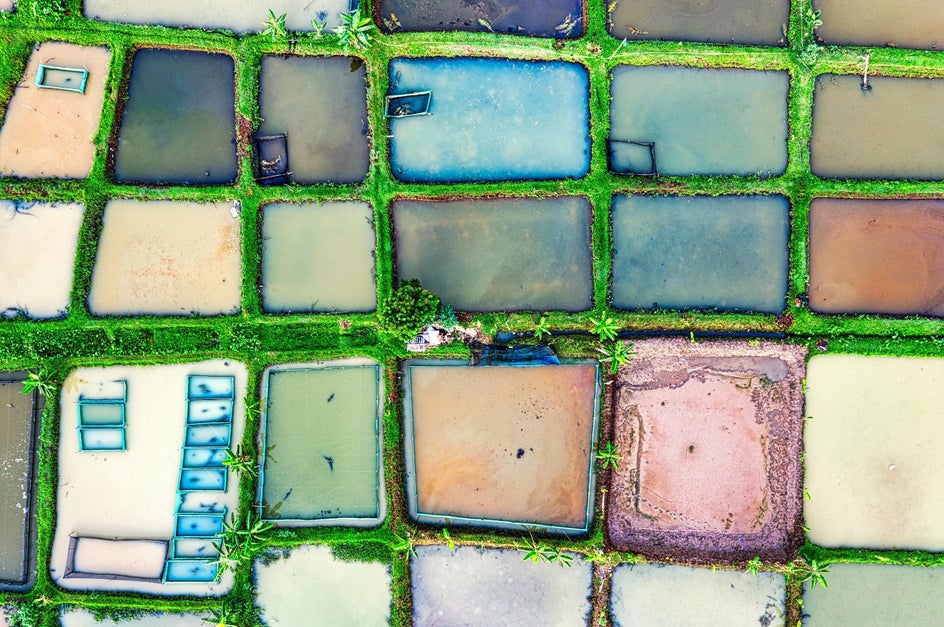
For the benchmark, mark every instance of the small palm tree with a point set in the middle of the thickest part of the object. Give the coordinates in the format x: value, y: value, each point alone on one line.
x: 618, y: 356
x: 275, y: 26
x: 41, y: 381
x: 241, y: 462
x: 356, y: 30
x: 605, y: 327
x: 542, y: 330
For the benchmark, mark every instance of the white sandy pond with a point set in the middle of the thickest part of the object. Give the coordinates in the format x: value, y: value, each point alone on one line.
x: 50, y: 133
x: 238, y: 15
x: 83, y: 618
x: 38, y: 243
x: 873, y: 452
x: 167, y: 258
x: 310, y: 586
x: 117, y: 509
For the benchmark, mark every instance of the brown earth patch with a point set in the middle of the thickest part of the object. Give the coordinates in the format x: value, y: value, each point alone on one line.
x: 711, y: 438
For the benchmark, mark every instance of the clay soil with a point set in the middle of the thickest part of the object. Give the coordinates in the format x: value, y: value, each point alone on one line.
x: 710, y: 436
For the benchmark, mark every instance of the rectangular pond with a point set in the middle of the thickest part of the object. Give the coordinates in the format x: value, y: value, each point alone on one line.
x: 700, y: 252
x: 50, y: 132
x: 898, y: 23
x: 167, y: 258
x: 873, y: 463
x: 320, y: 103
x: 179, y: 122
x: 318, y: 257
x: 759, y: 22
x: 877, y: 256
x: 698, y: 121
x: 550, y: 18
x: 128, y: 519
x: 893, y: 130
x: 506, y: 446
x: 38, y: 241
x: 322, y: 437
x: 498, y: 254
x: 491, y: 120
x: 18, y: 418
x: 497, y: 587
x: 237, y: 15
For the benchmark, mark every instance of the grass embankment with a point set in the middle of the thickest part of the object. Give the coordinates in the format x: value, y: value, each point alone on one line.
x: 260, y: 340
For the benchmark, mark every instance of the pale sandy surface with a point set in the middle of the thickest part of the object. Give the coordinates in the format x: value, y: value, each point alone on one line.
x: 37, y: 255
x: 131, y: 494
x: 6, y: 5
x: 311, y: 587
x: 239, y: 15
x: 876, y: 595
x: 167, y: 258
x: 500, y: 443
x: 496, y: 587
x: 665, y: 594
x: 84, y: 618
x: 50, y: 132
x: 873, y: 452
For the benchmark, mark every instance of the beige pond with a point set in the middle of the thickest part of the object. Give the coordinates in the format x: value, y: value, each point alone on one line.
x: 38, y: 242
x: 873, y: 452
x: 131, y: 495
x: 167, y: 258
x: 311, y: 587
x: 6, y: 5
x: 500, y: 443
x: 50, y: 132
x: 84, y: 618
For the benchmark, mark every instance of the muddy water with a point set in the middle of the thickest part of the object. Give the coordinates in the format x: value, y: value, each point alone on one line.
x: 322, y: 442
x: 312, y: 587
x: 501, y: 443
x: 552, y: 18
x: 238, y: 15
x: 877, y: 256
x: 318, y: 257
x: 760, y: 22
x: 702, y: 121
x: 891, y: 131
x: 491, y: 120
x: 179, y: 123
x: 16, y: 463
x: 167, y: 258
x: 322, y: 105
x: 38, y: 241
x: 502, y: 254
x: 473, y: 586
x: 873, y: 463
x: 665, y: 594
x: 726, y: 252
x: 876, y: 594
x: 50, y: 132
x: 899, y: 23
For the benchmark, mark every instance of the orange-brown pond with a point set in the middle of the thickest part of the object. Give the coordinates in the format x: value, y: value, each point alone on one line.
x: 899, y: 23
x: 500, y: 446
x: 877, y: 256
x: 710, y: 438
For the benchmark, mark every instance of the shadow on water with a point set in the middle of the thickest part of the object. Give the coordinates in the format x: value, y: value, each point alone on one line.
x: 501, y: 254
x: 179, y: 123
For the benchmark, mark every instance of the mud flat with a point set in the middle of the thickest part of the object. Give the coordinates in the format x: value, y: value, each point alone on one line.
x: 877, y: 256
x: 873, y: 452
x: 38, y: 241
x: 50, y: 133
x: 167, y: 258
x: 665, y: 594
x: 876, y: 594
x: 124, y: 501
x: 710, y: 436
x: 496, y: 587
x: 310, y: 586
x: 500, y: 446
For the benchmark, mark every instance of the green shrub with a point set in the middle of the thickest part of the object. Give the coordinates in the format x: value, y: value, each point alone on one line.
x: 408, y: 310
